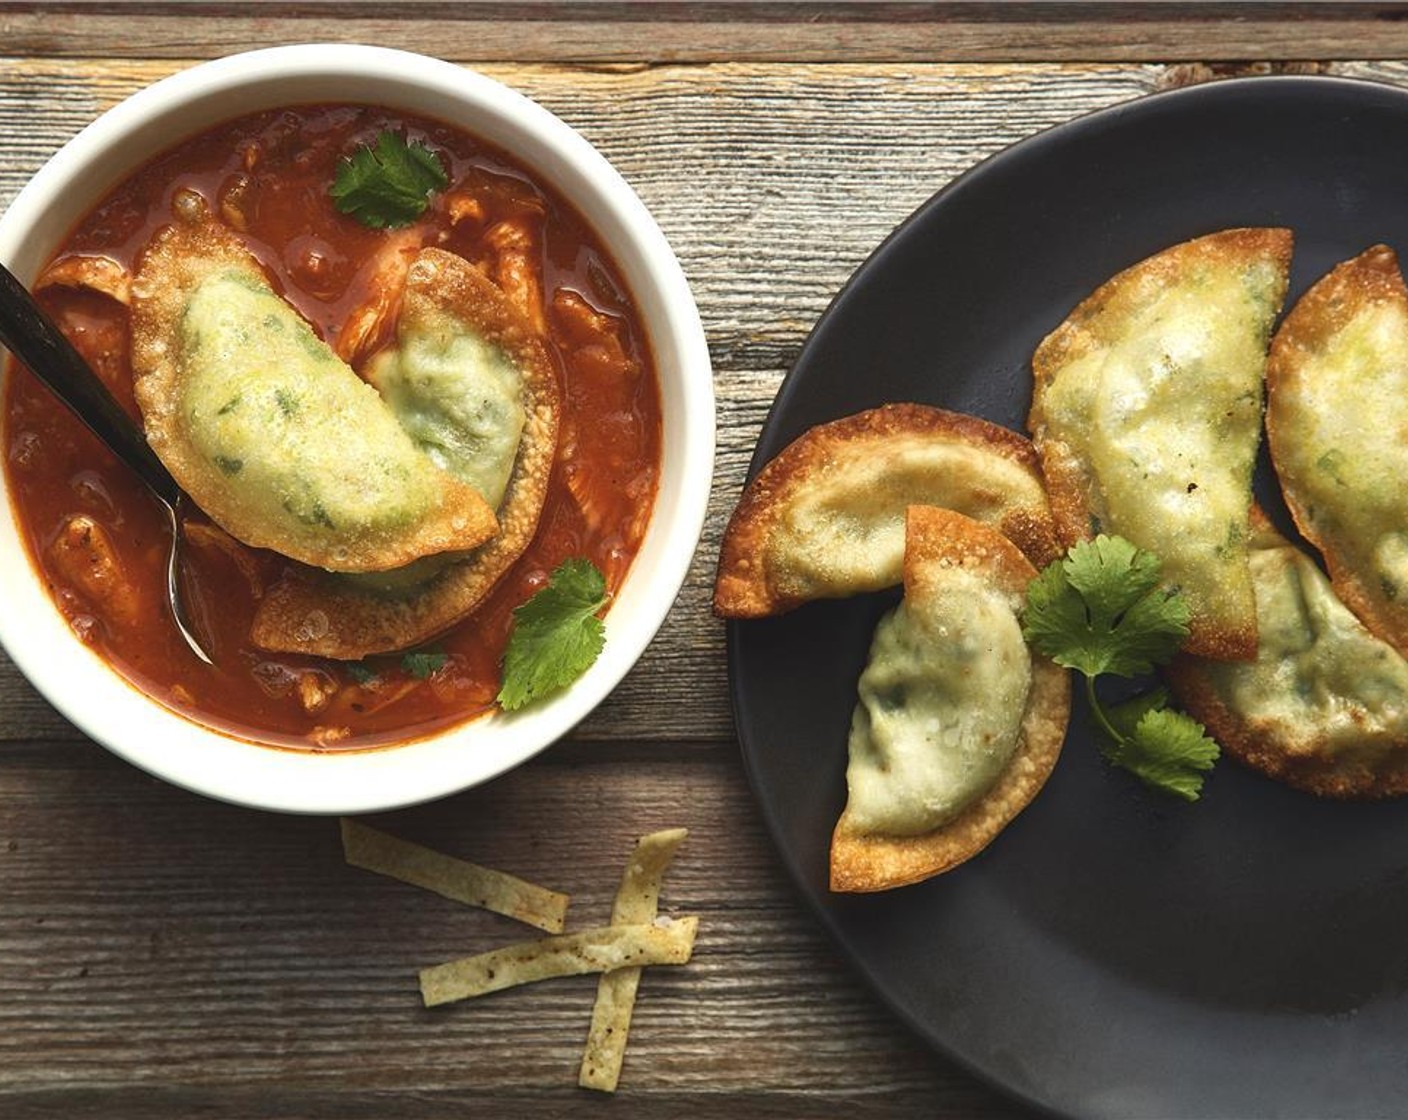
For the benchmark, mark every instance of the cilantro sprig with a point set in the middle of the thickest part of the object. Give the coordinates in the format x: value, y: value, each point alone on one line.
x: 556, y: 635
x: 423, y: 664
x: 1102, y: 612
x: 388, y: 185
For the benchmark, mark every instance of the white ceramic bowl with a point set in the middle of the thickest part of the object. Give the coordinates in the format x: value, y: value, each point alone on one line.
x: 100, y: 702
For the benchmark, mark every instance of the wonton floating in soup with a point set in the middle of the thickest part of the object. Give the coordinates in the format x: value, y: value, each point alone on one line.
x: 270, y: 433
x: 475, y: 389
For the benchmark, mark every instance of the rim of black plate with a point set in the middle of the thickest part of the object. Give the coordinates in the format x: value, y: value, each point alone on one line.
x: 966, y: 181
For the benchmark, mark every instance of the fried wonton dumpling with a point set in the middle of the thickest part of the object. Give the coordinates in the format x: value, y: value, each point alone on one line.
x: 474, y: 386
x: 959, y: 723
x: 825, y: 518
x: 273, y: 436
x: 1324, y: 707
x: 1337, y: 421
x: 1146, y: 413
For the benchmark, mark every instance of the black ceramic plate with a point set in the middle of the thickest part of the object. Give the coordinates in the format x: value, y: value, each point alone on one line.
x: 1113, y: 953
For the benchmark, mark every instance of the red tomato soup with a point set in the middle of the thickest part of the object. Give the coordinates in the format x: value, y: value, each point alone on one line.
x: 99, y: 540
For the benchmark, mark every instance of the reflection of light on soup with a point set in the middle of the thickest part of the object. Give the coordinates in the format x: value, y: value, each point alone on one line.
x: 97, y: 537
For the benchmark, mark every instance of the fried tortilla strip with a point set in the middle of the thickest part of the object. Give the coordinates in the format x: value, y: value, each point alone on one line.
x: 636, y: 901
x: 1337, y: 422
x: 475, y: 388
x: 825, y: 519
x: 664, y: 941
x: 373, y: 850
x: 959, y: 724
x: 1324, y: 707
x: 273, y: 436
x: 1146, y: 413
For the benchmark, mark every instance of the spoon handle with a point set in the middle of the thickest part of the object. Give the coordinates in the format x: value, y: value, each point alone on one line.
x: 28, y: 333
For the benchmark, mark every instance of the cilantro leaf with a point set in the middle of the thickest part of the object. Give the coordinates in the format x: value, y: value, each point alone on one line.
x: 360, y: 671
x: 1125, y: 717
x: 1151, y: 632
x: 422, y: 663
x: 388, y: 185
x: 556, y: 635
x: 1111, y: 575
x: 1057, y: 623
x: 1169, y: 751
x: 1100, y: 610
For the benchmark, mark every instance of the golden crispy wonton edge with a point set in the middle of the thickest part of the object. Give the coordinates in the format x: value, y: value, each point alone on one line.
x: 179, y: 258
x: 743, y: 589
x: 1370, y: 278
x: 868, y: 862
x: 1304, y: 763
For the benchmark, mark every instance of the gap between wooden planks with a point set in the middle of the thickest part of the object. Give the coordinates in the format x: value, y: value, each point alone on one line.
x: 695, y: 32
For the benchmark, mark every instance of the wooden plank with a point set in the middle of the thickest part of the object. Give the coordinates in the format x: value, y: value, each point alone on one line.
x: 771, y: 182
x: 657, y: 32
x: 205, y: 959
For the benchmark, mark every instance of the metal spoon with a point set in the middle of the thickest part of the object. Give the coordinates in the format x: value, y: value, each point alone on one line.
x: 32, y: 337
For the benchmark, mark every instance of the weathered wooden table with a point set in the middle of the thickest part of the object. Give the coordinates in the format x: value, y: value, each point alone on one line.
x: 164, y: 955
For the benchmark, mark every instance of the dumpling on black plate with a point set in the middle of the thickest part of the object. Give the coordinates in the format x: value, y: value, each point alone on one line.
x: 1337, y: 422
x: 959, y: 723
x: 1146, y: 412
x: 825, y: 518
x: 1324, y: 707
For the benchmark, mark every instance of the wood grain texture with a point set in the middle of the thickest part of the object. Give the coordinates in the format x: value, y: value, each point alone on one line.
x: 200, y: 957
x: 691, y: 32
x: 165, y: 956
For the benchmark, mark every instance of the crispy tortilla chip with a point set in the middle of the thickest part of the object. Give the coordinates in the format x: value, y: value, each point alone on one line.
x: 373, y: 850
x: 318, y: 613
x: 636, y: 902
x: 825, y: 519
x: 604, y: 949
x: 939, y: 545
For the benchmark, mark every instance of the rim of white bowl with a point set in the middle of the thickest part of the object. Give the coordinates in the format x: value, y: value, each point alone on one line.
x: 113, y: 711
